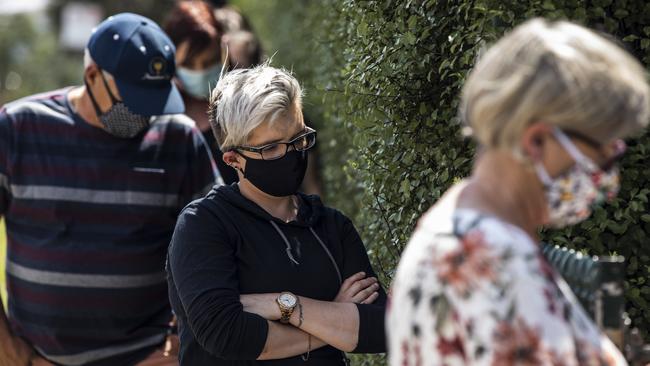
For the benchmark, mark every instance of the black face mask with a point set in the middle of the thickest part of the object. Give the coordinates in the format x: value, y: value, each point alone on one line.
x: 281, y: 177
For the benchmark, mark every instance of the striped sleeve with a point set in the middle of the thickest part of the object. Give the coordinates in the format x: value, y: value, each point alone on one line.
x: 6, y: 144
x: 202, y: 170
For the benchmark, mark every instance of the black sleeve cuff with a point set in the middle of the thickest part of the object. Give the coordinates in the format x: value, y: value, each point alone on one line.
x: 257, y: 329
x: 372, y: 334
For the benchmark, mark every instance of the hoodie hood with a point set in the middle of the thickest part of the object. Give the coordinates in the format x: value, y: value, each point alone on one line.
x: 310, y: 207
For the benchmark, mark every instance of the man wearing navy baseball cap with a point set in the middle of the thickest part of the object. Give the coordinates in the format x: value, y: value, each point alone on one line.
x: 140, y: 58
x: 92, y: 179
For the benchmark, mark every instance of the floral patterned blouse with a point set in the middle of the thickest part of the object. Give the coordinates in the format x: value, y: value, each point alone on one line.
x: 472, y: 289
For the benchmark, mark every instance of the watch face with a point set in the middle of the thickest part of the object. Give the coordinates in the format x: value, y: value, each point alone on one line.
x: 288, y: 300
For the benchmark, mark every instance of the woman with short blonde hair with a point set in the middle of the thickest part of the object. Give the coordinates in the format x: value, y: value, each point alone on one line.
x: 548, y: 105
x: 260, y: 273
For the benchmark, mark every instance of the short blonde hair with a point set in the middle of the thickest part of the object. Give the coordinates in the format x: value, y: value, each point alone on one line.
x: 245, y: 98
x: 558, y: 73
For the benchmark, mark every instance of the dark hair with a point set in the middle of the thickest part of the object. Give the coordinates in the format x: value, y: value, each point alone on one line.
x: 231, y: 19
x: 193, y: 21
x: 253, y: 54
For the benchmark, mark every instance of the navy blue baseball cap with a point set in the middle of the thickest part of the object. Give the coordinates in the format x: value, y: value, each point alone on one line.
x: 140, y: 57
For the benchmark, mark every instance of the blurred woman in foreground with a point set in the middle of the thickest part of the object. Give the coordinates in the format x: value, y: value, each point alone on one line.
x: 548, y: 104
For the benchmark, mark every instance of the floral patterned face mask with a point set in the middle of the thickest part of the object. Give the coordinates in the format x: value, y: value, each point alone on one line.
x: 571, y: 196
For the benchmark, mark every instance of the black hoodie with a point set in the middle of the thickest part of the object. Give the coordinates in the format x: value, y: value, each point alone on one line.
x: 225, y: 245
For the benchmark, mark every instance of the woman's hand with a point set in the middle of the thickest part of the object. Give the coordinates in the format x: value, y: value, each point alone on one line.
x: 358, y: 289
x: 264, y: 305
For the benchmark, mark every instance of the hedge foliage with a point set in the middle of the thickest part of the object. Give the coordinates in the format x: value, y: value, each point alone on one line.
x: 389, y: 74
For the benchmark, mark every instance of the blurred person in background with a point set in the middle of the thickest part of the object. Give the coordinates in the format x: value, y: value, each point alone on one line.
x: 230, y: 18
x: 244, y: 49
x: 92, y: 179
x: 548, y: 104
x: 210, y: 39
x: 200, y: 59
x: 260, y: 273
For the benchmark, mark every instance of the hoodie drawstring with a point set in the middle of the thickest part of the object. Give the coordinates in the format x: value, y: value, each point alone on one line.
x: 293, y: 259
x: 286, y: 241
x: 329, y: 254
x: 346, y: 360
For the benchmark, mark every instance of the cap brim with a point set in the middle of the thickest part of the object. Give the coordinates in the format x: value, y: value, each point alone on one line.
x: 151, y: 100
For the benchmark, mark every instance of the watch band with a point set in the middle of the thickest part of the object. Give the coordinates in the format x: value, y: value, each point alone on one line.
x: 286, y: 312
x: 286, y: 315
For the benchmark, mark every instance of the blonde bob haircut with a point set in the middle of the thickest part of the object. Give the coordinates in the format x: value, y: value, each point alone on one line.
x: 243, y: 99
x: 558, y: 73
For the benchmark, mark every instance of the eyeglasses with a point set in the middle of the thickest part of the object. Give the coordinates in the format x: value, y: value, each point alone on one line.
x: 277, y: 150
x: 618, y: 147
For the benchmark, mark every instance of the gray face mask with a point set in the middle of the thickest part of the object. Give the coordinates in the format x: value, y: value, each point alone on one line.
x: 118, y: 120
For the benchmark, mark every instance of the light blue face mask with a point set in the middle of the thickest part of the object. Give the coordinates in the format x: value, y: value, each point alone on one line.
x: 197, y: 83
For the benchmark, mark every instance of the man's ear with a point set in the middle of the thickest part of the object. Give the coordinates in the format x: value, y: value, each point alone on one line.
x: 534, y: 139
x: 91, y: 74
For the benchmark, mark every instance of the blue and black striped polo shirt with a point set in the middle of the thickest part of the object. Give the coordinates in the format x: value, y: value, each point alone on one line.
x: 89, y: 217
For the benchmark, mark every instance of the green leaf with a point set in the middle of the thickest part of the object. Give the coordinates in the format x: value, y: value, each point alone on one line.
x: 412, y: 21
x: 630, y: 38
x: 645, y: 43
x: 410, y: 38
